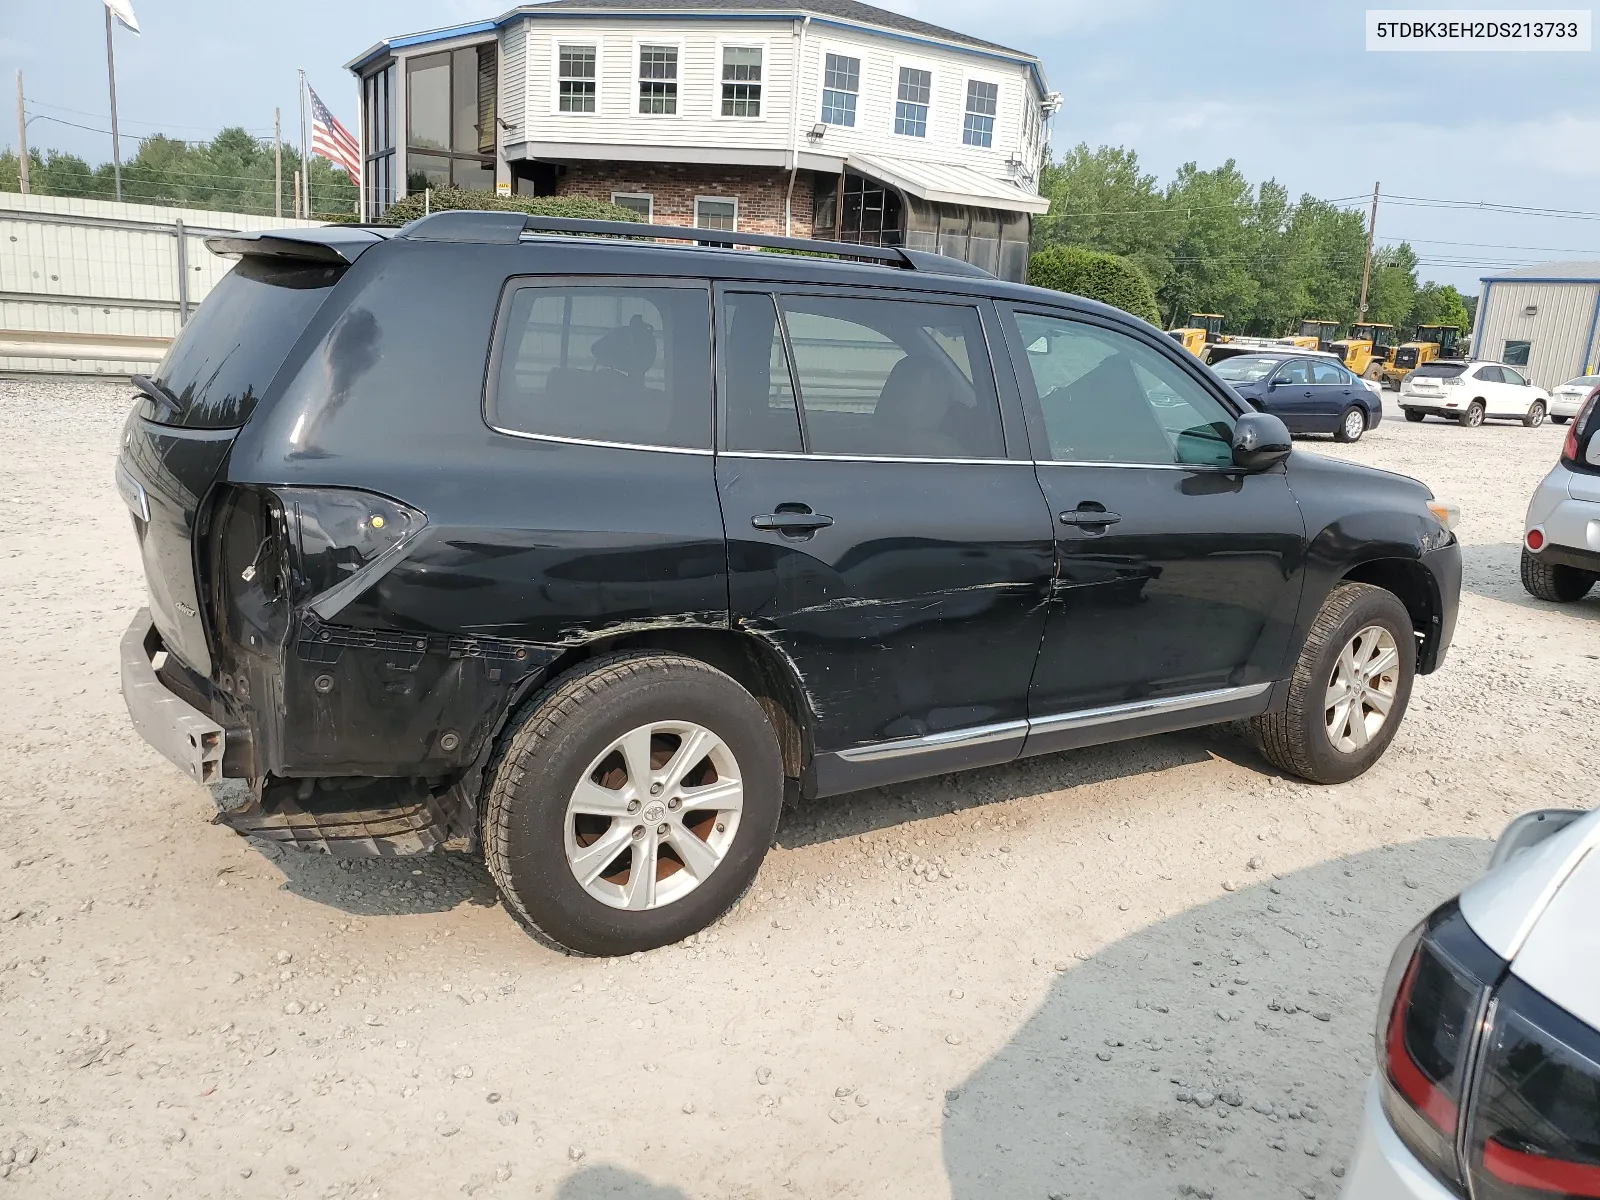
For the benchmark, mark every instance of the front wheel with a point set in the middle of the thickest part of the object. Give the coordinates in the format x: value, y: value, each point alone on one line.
x: 1472, y: 417
x: 1349, y: 689
x: 1535, y: 417
x: 1351, y: 426
x: 1552, y: 581
x: 632, y: 804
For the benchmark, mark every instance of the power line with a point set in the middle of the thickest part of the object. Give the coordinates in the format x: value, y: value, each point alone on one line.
x: 36, y: 102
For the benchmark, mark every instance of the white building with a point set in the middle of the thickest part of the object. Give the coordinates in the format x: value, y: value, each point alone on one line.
x: 824, y: 117
x: 1545, y: 318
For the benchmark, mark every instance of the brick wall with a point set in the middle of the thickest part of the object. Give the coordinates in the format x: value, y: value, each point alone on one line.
x: 760, y: 191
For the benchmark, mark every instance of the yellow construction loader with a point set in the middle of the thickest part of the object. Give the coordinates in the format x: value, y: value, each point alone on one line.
x: 1367, y: 350
x: 1316, y: 335
x: 1200, y: 330
x: 1428, y: 344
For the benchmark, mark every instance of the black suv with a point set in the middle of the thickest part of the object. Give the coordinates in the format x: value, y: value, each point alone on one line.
x: 585, y: 550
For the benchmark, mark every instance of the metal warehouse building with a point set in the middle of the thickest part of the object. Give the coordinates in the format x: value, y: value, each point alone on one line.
x: 1545, y: 318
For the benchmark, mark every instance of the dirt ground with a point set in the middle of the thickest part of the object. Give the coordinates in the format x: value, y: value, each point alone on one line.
x: 1145, y: 970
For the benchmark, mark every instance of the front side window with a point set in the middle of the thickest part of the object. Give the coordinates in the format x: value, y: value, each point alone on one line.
x: 1297, y: 371
x: 841, y: 85
x: 1106, y: 397
x: 983, y: 100
x: 1516, y: 354
x: 1513, y: 377
x: 658, y: 79
x: 608, y: 364
x: 758, y: 408
x: 712, y: 212
x: 575, y: 88
x: 897, y: 379
x: 911, y: 102
x: 741, y: 81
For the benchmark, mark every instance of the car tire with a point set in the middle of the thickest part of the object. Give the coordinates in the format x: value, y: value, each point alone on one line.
x: 1415, y: 414
x: 1552, y: 581
x: 1560, y: 420
x: 1352, y: 424
x: 1308, y: 737
x: 1535, y: 417
x: 574, y: 747
x: 1472, y: 416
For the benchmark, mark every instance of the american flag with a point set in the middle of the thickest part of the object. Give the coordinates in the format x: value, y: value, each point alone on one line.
x: 332, y: 140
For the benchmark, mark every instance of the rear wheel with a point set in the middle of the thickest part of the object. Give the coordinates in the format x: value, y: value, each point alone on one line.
x: 1349, y: 689
x: 1415, y: 414
x: 1351, y: 426
x: 1473, y: 416
x: 1535, y: 417
x: 1560, y: 420
x: 1552, y: 581
x: 632, y: 805
x: 1373, y: 372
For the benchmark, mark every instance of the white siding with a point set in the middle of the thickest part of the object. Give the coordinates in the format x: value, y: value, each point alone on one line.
x: 513, y: 77
x: 1560, y: 332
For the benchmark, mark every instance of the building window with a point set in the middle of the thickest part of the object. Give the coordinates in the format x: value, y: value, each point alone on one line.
x: 378, y: 138
x: 1516, y: 354
x: 450, y: 118
x: 741, y: 81
x: 982, y: 100
x: 911, y: 102
x: 575, y: 89
x: 642, y: 203
x: 658, y: 79
x: 716, y: 212
x: 841, y: 84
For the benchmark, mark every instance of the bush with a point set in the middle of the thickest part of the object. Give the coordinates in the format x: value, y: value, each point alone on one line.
x: 1109, y: 278
x: 445, y: 199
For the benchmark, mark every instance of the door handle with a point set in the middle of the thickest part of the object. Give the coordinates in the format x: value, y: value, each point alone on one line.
x: 1089, y: 518
x: 787, y: 520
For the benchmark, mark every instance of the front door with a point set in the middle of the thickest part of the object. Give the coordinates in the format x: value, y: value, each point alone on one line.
x: 1290, y: 396
x: 1179, y: 576
x: 1334, y: 391
x: 881, y: 539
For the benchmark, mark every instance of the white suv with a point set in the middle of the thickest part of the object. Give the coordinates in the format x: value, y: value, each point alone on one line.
x: 1561, y: 538
x: 1470, y: 392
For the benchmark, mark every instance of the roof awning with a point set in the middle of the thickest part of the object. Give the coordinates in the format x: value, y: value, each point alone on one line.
x: 946, y: 183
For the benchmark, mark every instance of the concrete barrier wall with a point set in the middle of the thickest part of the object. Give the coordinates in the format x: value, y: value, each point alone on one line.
x: 99, y: 288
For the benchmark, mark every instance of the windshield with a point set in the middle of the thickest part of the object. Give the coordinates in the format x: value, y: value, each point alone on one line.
x: 1439, y: 370
x: 238, y: 338
x: 1246, y: 368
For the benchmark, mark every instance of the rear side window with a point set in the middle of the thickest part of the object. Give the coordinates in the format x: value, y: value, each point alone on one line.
x: 227, y: 354
x: 605, y: 363
x: 1327, y: 372
x: 1439, y: 370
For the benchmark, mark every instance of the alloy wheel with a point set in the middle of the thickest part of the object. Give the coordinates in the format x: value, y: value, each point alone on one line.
x: 1361, y: 689
x: 1354, y: 424
x: 653, y: 815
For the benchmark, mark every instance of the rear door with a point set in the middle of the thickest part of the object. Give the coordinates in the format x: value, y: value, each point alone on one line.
x: 1179, y: 577
x: 886, y: 535
x: 218, y: 368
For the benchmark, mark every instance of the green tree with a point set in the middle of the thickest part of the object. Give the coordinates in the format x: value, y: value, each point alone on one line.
x: 1333, y: 243
x: 1105, y: 277
x: 1099, y: 199
x: 1213, y: 268
x: 446, y: 199
x: 1439, y: 304
x: 1392, y: 289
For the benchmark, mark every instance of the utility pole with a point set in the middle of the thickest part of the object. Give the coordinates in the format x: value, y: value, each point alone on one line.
x: 22, y: 137
x: 277, y: 162
x: 111, y: 74
x: 1366, y: 269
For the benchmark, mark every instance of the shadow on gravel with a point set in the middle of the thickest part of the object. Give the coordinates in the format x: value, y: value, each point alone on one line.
x: 1495, y: 571
x: 811, y: 822
x: 613, y: 1183
x: 1134, y: 1080
x: 375, y: 887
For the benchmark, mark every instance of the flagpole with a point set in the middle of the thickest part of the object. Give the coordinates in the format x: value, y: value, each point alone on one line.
x: 277, y: 162
x: 111, y: 75
x: 305, y: 149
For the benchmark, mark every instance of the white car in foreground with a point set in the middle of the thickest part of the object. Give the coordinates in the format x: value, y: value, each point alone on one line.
x: 1488, y: 1039
x: 1472, y: 392
x: 1566, y: 400
x: 1561, y: 533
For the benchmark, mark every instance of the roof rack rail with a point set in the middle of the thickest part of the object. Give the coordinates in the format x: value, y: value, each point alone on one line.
x: 507, y: 228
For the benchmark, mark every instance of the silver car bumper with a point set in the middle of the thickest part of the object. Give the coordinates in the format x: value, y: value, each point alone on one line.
x: 181, y: 732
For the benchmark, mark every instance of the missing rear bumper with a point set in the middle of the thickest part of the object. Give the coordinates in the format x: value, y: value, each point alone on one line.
x: 182, y: 733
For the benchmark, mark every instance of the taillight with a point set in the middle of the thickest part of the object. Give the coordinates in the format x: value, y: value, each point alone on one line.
x: 1535, y: 539
x: 1439, y: 983
x: 1536, y: 1118
x: 1577, y: 430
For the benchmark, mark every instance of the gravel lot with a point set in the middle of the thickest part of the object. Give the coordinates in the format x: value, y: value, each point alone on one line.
x: 1145, y: 970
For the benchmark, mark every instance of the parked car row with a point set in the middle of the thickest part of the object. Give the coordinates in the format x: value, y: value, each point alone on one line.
x: 1310, y: 392
x: 1471, y: 393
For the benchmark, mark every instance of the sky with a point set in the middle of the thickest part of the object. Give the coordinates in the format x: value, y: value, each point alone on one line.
x: 1288, y: 91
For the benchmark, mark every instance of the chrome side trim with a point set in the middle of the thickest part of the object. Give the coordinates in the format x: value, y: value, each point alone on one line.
x: 973, y: 735
x: 574, y: 441
x: 1083, y: 718
x: 1109, y: 714
x: 878, y: 458
x: 1134, y: 466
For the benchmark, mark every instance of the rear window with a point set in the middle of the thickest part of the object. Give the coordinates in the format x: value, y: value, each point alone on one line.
x: 227, y: 354
x: 1439, y: 370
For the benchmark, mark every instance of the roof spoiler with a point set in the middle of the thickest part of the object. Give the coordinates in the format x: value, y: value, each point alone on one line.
x: 341, y: 244
x: 507, y: 228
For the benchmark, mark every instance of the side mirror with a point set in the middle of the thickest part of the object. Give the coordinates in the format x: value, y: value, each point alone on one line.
x: 1260, y: 440
x: 1272, y: 383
